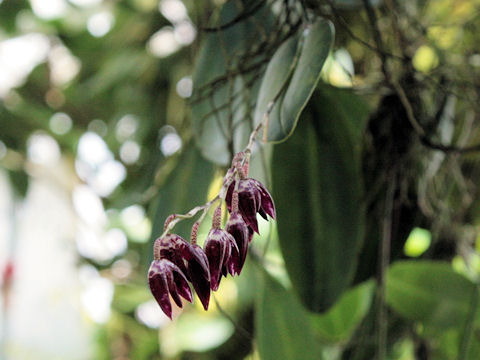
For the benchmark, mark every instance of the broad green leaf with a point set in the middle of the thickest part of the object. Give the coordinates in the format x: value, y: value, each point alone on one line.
x: 221, y: 102
x: 283, y: 330
x: 186, y: 187
x: 277, y: 75
x: 339, y: 323
x: 317, y: 186
x: 317, y: 44
x: 293, y: 71
x: 429, y: 292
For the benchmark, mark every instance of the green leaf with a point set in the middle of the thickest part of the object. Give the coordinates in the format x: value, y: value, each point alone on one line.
x: 429, y: 292
x: 186, y: 187
x: 299, y: 84
x: 222, y: 99
x: 283, y: 330
x: 317, y: 186
x: 277, y: 76
x: 339, y: 323
x: 316, y: 47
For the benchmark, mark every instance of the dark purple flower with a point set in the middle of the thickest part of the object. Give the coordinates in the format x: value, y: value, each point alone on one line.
x: 190, y: 259
x: 199, y: 273
x: 164, y: 278
x: 174, y: 248
x: 237, y: 227
x: 218, y: 248
x: 253, y: 197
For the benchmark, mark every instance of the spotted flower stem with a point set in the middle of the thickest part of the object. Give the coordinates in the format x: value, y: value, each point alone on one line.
x: 235, y: 198
x: 194, y: 234
x: 156, y: 250
x: 168, y: 220
x: 217, y: 217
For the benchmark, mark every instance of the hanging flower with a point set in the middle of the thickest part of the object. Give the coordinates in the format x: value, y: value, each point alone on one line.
x: 199, y: 273
x: 253, y: 198
x: 239, y: 230
x: 190, y: 260
x: 165, y: 278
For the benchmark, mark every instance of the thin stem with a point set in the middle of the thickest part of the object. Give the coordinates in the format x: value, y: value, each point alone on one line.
x: 189, y: 215
x: 344, y: 24
x: 244, y: 15
x: 469, y: 328
x: 384, y: 259
x: 377, y: 38
x: 240, y: 329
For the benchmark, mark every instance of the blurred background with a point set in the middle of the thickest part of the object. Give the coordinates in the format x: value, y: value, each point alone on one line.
x: 96, y: 150
x: 92, y: 94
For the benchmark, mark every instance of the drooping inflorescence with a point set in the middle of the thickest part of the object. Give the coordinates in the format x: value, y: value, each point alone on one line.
x: 178, y: 262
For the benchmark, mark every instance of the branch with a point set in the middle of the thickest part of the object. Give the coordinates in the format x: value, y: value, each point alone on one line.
x: 244, y: 15
x: 425, y: 140
x: 344, y: 24
x: 384, y: 260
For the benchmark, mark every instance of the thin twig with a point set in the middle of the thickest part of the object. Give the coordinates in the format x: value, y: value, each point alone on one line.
x: 384, y: 259
x: 425, y: 140
x: 469, y: 328
x: 242, y: 16
x: 240, y: 329
x: 342, y: 22
x: 377, y: 36
x: 189, y: 215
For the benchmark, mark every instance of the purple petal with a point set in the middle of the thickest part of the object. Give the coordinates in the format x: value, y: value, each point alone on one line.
x: 267, y: 205
x: 181, y: 285
x: 239, y: 230
x: 172, y: 247
x: 215, y: 249
x: 157, y: 280
x: 250, y: 234
x: 172, y: 288
x: 262, y: 214
x: 248, y: 206
x: 234, y: 262
x: 200, y: 283
x: 196, y: 253
x: 199, y: 273
x: 228, y: 196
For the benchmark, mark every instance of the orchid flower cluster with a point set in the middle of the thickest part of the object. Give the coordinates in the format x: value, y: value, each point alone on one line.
x: 178, y: 262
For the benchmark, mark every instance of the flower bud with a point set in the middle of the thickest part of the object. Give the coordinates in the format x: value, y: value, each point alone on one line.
x: 218, y: 248
x: 240, y: 232
x: 165, y: 278
x: 253, y: 197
